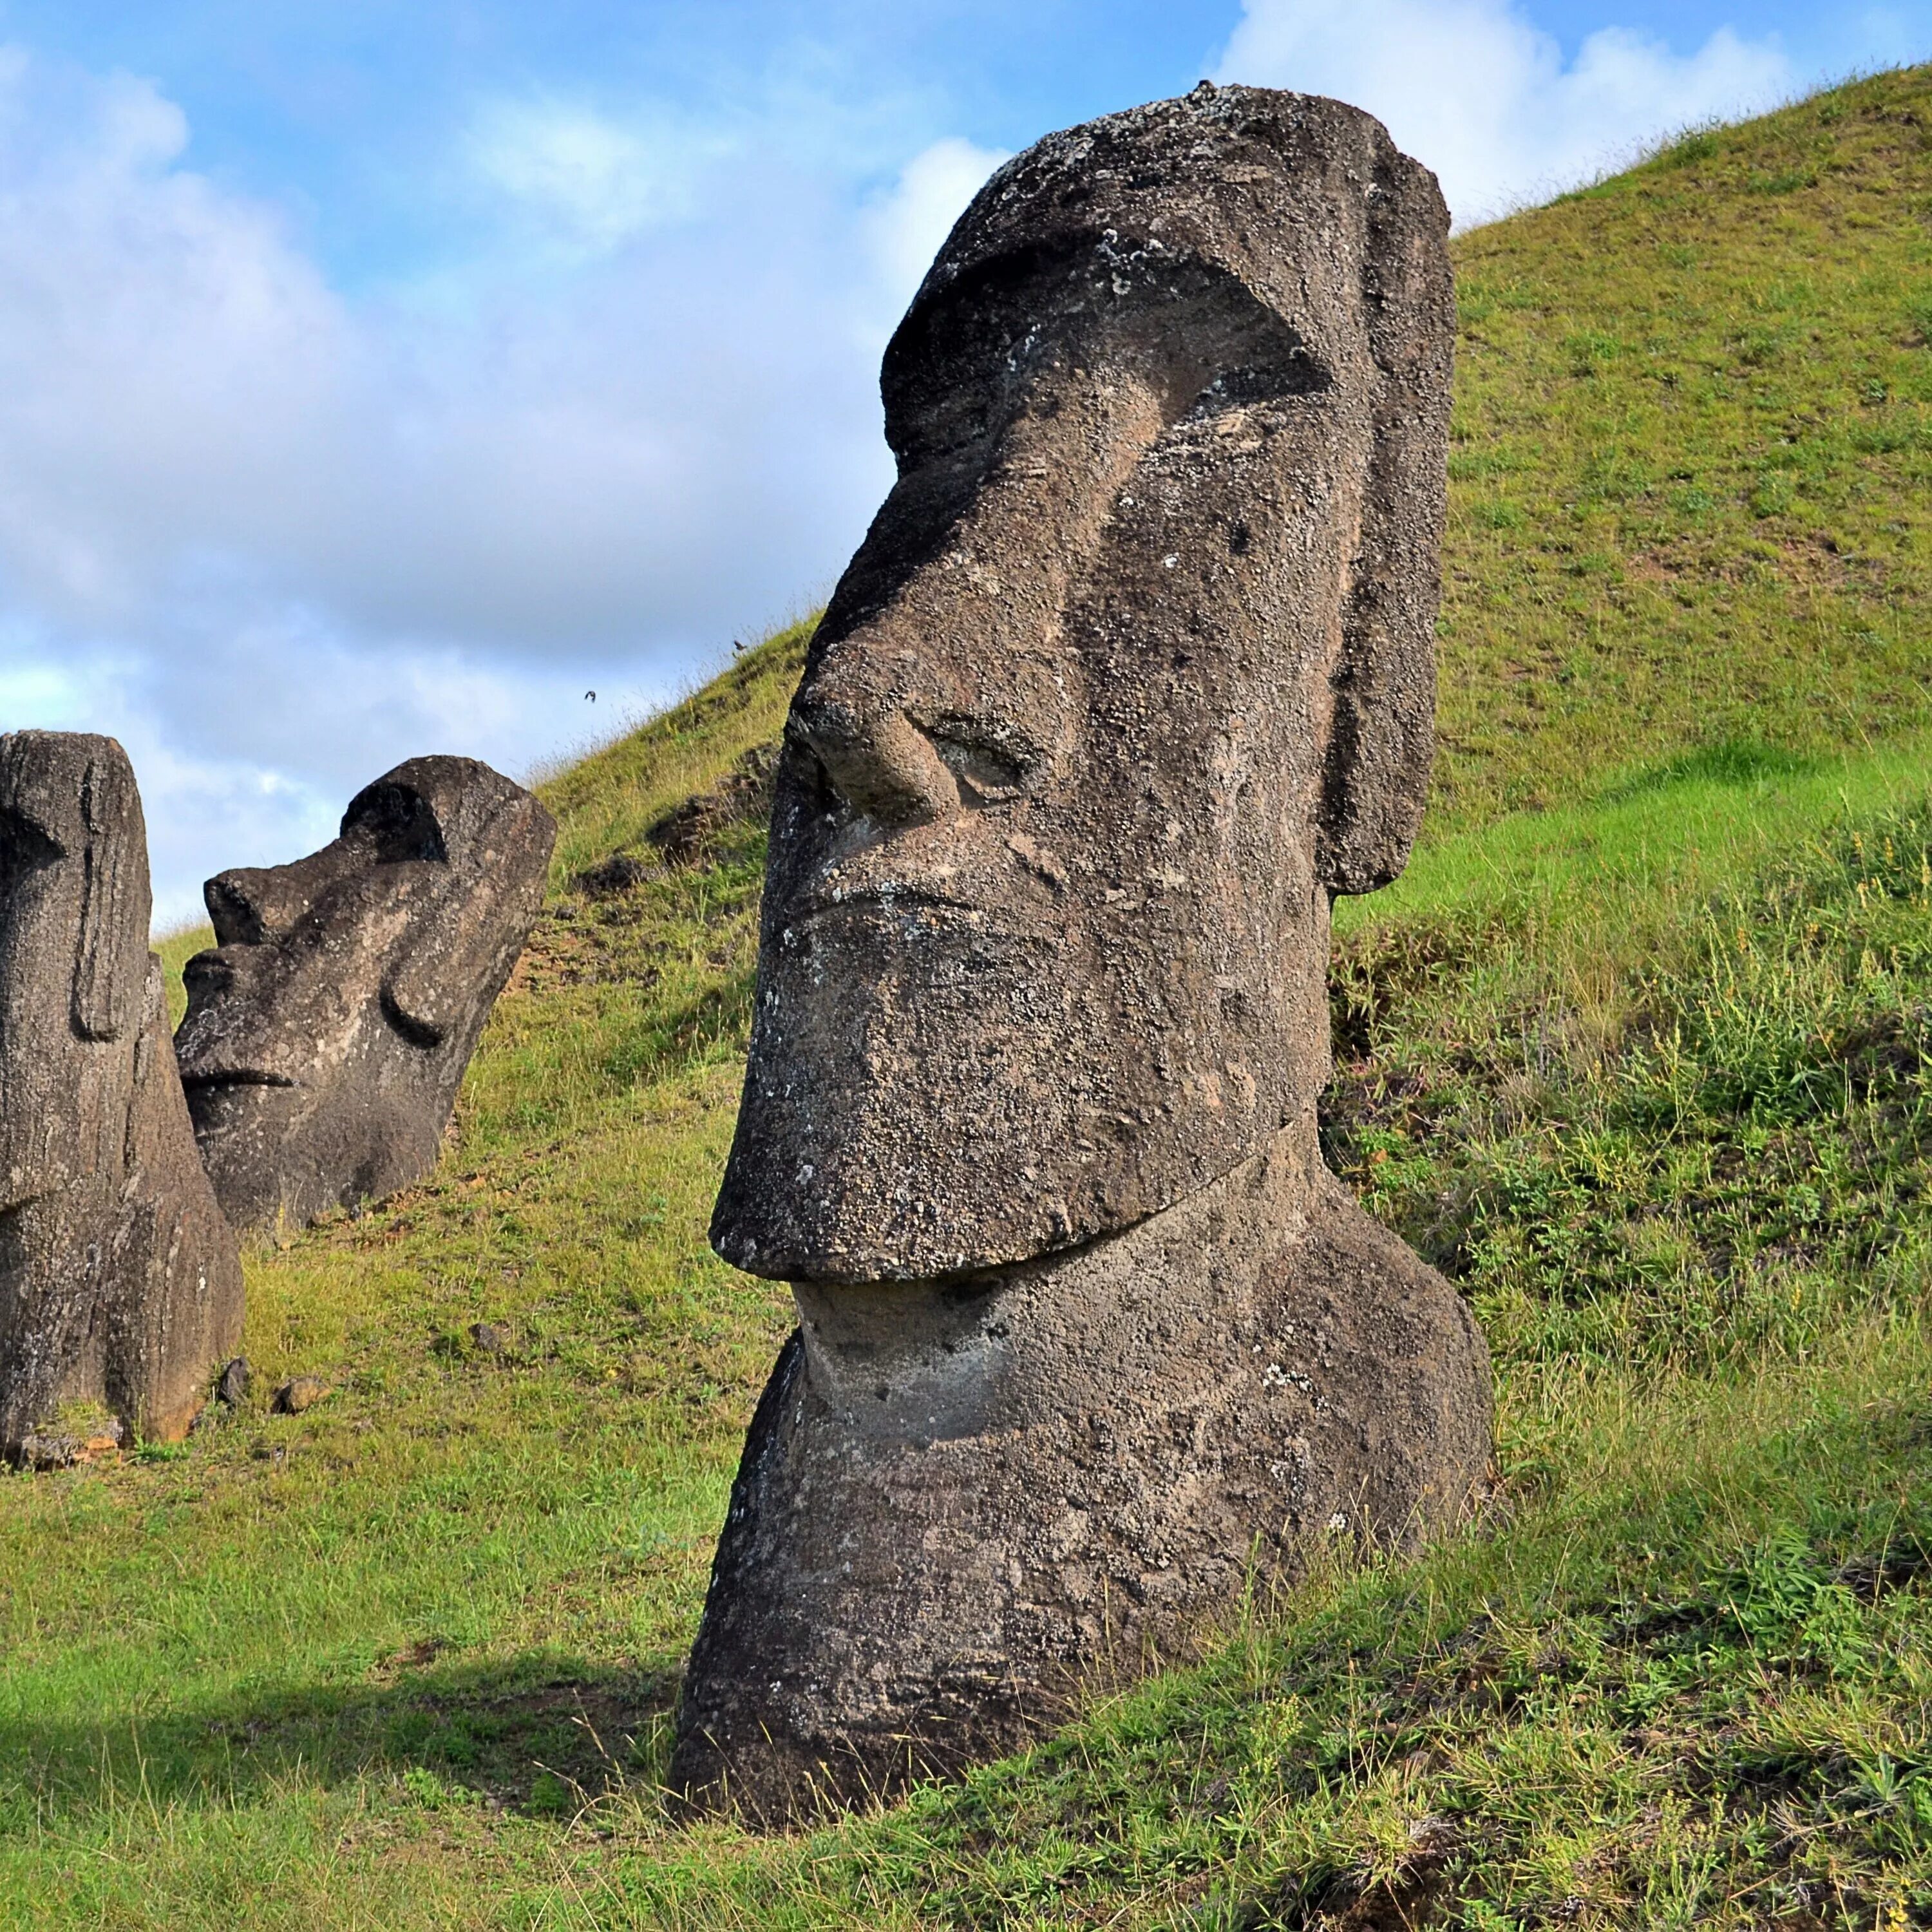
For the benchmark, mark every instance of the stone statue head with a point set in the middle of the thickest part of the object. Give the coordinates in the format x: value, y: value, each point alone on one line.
x: 1133, y: 671
x: 328, y: 1029
x: 74, y: 908
x: 119, y: 1280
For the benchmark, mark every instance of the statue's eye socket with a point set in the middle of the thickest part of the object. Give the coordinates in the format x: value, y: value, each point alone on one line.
x: 397, y: 824
x: 1295, y: 373
x: 25, y: 848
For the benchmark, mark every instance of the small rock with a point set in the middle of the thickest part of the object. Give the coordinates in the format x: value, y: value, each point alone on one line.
x: 489, y: 1338
x: 619, y: 873
x: 232, y: 1390
x: 50, y: 1452
x: 298, y: 1392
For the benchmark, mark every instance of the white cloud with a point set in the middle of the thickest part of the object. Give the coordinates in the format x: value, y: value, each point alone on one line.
x: 930, y: 195
x: 589, y: 182
x: 1484, y: 96
x: 163, y: 353
x: 277, y: 538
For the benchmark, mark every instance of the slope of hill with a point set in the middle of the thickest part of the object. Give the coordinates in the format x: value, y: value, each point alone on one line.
x: 1690, y: 454
x: 1635, y: 1052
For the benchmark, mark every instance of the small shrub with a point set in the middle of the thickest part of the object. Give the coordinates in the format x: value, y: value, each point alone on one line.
x: 1783, y: 181
x: 1700, y: 144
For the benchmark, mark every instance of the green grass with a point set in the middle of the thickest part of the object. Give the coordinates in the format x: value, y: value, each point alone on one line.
x: 1635, y: 1052
x: 1690, y: 454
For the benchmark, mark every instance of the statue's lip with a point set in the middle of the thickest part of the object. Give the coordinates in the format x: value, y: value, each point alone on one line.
x: 885, y: 896
x: 235, y: 1076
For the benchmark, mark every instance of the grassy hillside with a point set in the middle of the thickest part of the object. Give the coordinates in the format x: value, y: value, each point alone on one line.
x: 1691, y: 449
x: 1635, y: 1053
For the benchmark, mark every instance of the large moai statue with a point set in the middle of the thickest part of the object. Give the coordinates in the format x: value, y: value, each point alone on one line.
x: 1132, y: 674
x: 327, y: 1029
x: 119, y: 1280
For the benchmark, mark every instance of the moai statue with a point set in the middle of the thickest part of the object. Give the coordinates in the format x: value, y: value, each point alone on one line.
x: 120, y: 1283
x: 327, y: 1029
x: 1132, y: 674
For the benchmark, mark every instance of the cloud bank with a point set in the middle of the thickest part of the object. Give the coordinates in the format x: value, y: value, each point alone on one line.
x: 277, y: 539
x: 1478, y: 91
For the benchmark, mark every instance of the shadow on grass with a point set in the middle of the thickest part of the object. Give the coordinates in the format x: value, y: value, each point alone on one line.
x: 544, y: 1734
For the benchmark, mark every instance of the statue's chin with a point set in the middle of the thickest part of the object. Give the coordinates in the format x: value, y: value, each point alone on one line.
x: 958, y: 1499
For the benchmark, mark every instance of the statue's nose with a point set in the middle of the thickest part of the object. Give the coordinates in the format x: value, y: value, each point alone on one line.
x: 879, y: 761
x: 249, y: 906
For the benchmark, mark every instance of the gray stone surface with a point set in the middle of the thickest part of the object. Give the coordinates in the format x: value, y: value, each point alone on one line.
x: 958, y: 1501
x: 1133, y: 671
x: 119, y: 1281
x: 1134, y: 667
x: 328, y: 1030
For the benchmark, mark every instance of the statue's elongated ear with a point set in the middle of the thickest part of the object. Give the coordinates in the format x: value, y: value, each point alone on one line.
x: 110, y: 966
x: 1384, y: 732
x: 454, y: 969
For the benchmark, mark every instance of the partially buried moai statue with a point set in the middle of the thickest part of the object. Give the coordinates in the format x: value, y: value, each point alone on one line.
x: 328, y: 1029
x: 120, y: 1285
x: 1133, y: 673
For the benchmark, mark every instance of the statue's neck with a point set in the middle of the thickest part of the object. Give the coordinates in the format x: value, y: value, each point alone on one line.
x: 938, y: 1359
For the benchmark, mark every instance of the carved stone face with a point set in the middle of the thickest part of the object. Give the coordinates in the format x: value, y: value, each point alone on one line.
x: 1132, y: 671
x: 74, y: 907
x: 328, y: 1030
x: 119, y: 1280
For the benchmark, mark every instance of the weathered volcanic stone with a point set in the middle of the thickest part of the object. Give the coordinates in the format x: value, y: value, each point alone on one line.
x: 119, y: 1280
x: 1133, y: 672
x: 958, y: 1499
x: 328, y: 1031
x: 1133, y: 669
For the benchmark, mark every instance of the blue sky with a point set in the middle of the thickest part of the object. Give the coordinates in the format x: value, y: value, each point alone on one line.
x: 377, y: 379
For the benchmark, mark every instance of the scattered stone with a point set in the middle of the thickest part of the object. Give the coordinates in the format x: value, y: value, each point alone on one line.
x: 67, y: 1448
x: 120, y: 1282
x: 488, y: 1338
x: 414, y: 1656
x: 1133, y: 671
x: 328, y: 1031
x: 618, y: 873
x: 297, y: 1394
x: 232, y: 1390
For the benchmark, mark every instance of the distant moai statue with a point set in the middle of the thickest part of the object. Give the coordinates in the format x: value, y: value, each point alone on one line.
x: 327, y: 1029
x: 1133, y: 673
x: 119, y: 1280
